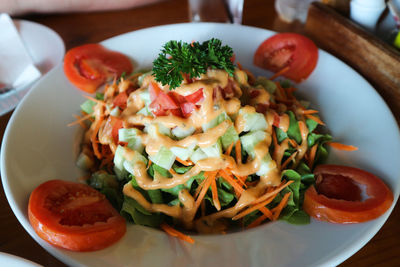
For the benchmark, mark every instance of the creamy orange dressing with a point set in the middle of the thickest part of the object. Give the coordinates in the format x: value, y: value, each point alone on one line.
x: 212, y: 106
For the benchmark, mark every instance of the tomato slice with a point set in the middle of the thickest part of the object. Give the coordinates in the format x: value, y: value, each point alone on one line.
x: 74, y: 216
x: 195, y: 97
x: 291, y: 50
x: 89, y: 66
x: 121, y: 100
x: 337, y: 195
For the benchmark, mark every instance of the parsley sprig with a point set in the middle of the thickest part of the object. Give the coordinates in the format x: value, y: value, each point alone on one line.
x: 177, y: 58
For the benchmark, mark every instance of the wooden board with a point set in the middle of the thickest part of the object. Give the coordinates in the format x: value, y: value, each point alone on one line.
x: 377, y: 61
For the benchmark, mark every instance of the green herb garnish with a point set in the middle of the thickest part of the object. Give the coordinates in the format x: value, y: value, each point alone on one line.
x: 178, y: 58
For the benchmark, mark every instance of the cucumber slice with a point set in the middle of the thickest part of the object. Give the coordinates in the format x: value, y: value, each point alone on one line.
x: 145, y: 111
x: 164, y: 158
x: 181, y: 133
x: 197, y: 155
x: 253, y: 121
x: 132, y: 137
x: 267, y: 164
x: 152, y: 129
x: 268, y: 85
x: 213, y: 151
x: 115, y: 112
x: 182, y: 153
x: 251, y: 139
x: 214, y: 122
x: 84, y: 162
x: 229, y: 137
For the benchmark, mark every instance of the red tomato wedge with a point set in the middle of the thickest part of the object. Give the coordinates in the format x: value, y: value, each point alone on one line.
x: 91, y: 65
x: 291, y: 50
x: 337, y: 197
x: 121, y: 100
x: 74, y: 216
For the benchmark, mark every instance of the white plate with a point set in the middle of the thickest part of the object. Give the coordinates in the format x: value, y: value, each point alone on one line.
x: 38, y: 146
x: 46, y: 49
x: 10, y: 260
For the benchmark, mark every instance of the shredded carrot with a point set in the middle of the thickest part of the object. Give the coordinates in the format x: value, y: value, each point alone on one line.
x: 95, y: 100
x: 293, y: 142
x: 277, y: 210
x: 172, y: 171
x: 309, y: 111
x: 93, y: 137
x: 280, y: 93
x: 239, y: 65
x: 241, y: 180
x: 257, y: 222
x: 210, y: 176
x: 342, y: 146
x: 184, y: 162
x: 238, y: 150
x: 231, y: 181
x: 80, y: 120
x: 314, y: 118
x: 175, y: 233
x: 229, y: 149
x: 267, y: 214
x: 253, y: 208
x: 148, y: 164
x: 288, y: 160
x: 214, y: 191
x: 280, y: 72
x: 273, y: 192
x: 311, y: 157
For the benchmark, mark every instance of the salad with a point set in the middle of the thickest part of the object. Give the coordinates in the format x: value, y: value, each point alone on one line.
x: 200, y: 144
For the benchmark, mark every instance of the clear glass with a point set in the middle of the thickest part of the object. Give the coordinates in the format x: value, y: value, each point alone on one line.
x: 198, y: 9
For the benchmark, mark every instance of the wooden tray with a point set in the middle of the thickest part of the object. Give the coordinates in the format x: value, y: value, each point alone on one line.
x: 377, y: 61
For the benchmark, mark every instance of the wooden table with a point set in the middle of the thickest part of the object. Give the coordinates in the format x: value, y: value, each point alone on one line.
x: 76, y: 29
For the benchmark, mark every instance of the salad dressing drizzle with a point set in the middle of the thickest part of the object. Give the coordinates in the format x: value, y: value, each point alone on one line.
x: 212, y: 106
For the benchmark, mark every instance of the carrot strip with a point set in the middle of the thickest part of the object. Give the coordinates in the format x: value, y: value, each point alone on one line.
x: 80, y: 120
x: 241, y: 180
x: 280, y: 73
x: 93, y: 137
x: 238, y: 150
x: 148, y: 164
x: 210, y: 176
x: 95, y: 100
x: 184, y: 162
x: 172, y: 171
x: 277, y: 210
x: 257, y: 222
x: 313, y: 153
x: 229, y: 149
x: 273, y: 192
x: 267, y: 214
x: 288, y: 160
x: 214, y: 191
x: 239, y: 65
x: 309, y: 111
x: 231, y: 181
x: 342, y: 146
x: 316, y: 119
x: 293, y: 142
x: 253, y: 208
x: 175, y: 233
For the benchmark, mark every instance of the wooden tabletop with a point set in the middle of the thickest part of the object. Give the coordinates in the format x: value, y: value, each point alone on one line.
x: 80, y: 28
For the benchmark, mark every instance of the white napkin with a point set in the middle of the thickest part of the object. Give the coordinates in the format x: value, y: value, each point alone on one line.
x: 16, y: 65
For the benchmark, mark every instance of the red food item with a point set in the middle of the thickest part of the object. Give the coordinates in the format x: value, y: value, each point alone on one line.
x: 91, y: 65
x: 337, y: 195
x: 74, y: 216
x: 291, y: 50
x: 121, y: 100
